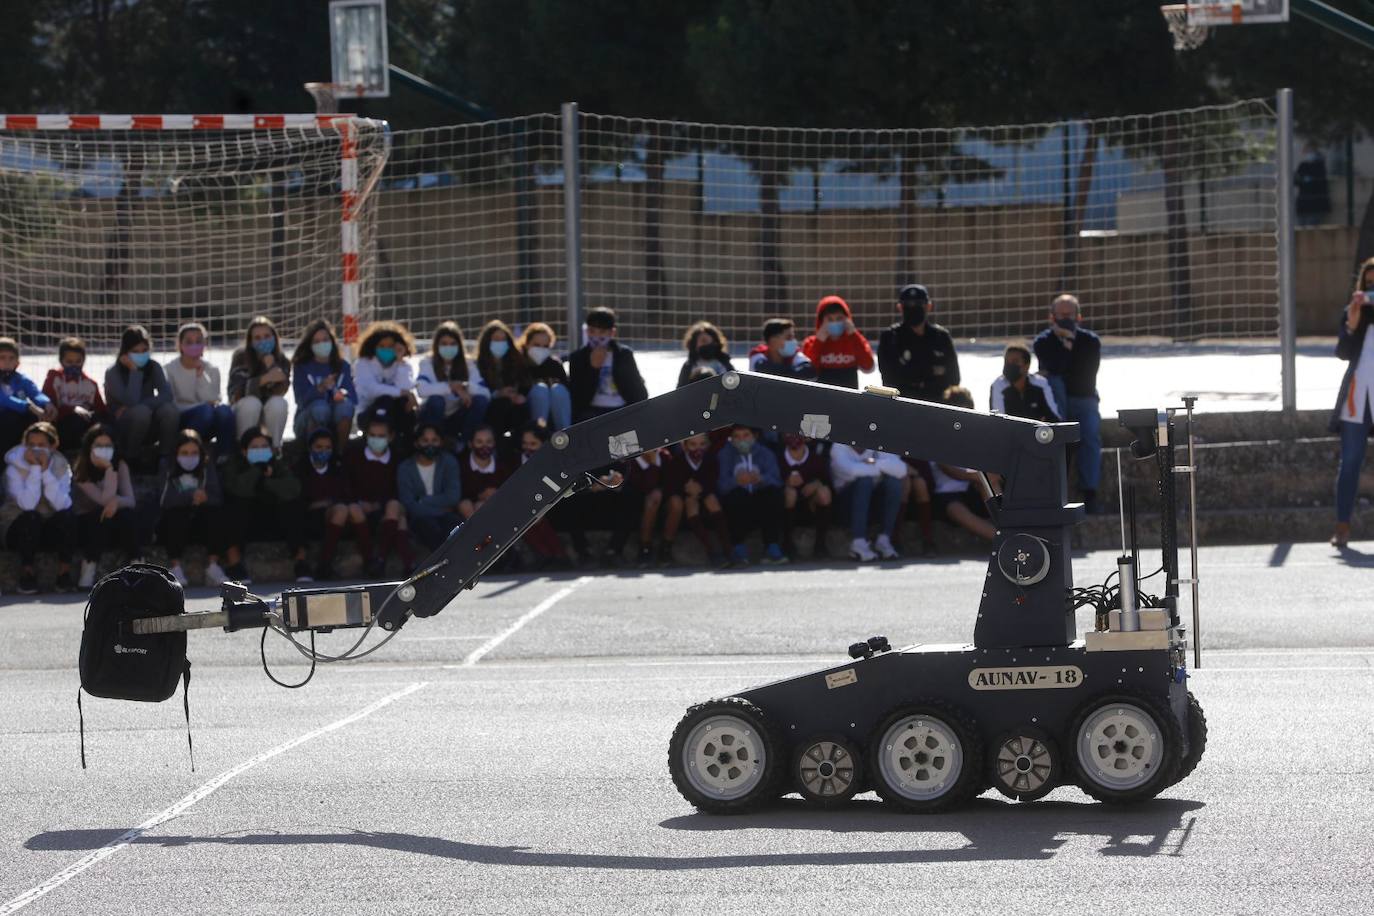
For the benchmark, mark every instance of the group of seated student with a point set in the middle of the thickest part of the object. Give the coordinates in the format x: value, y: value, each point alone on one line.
x: 437, y: 432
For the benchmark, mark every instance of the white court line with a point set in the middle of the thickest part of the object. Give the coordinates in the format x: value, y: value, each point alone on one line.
x: 476, y: 655
x: 181, y: 807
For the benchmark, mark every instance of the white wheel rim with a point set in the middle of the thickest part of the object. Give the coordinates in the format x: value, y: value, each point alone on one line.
x: 920, y: 758
x: 1023, y: 764
x: 724, y: 757
x: 826, y: 769
x: 1120, y: 747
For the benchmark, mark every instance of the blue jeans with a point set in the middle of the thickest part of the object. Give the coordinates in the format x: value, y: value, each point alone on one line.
x: 321, y: 413
x: 1354, y: 440
x: 860, y: 494
x: 1086, y: 412
x: 212, y: 421
x: 552, y: 403
x: 460, y: 424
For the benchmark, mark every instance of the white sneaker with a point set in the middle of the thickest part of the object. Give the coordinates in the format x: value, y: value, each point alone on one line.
x: 87, y: 574
x: 859, y: 550
x: 179, y: 574
x: 214, y: 575
x: 883, y: 544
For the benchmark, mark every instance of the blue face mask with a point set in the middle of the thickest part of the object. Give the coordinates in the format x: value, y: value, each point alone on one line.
x: 140, y: 359
x: 790, y: 348
x: 266, y: 346
x: 259, y: 455
x: 448, y: 351
x: 322, y: 349
x: 500, y: 348
x: 322, y: 457
x: 834, y: 328
x: 386, y: 355
x: 743, y: 446
x: 71, y: 372
x: 378, y: 444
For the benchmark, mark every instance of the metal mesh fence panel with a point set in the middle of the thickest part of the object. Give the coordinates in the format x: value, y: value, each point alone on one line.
x: 146, y: 224
x: 1164, y: 225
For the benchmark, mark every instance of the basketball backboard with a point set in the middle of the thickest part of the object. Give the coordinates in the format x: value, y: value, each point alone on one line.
x: 1236, y: 12
x: 358, y: 51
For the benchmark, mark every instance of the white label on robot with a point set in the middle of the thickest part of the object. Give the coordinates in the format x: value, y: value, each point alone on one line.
x: 624, y: 445
x: 1048, y: 677
x: 841, y: 678
x: 815, y: 425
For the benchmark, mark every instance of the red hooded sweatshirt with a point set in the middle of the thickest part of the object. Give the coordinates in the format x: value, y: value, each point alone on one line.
x: 838, y: 360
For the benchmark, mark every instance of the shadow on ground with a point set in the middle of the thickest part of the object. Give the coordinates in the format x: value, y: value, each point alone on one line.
x: 991, y: 831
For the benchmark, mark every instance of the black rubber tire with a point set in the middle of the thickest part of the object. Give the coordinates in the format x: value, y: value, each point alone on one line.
x: 801, y: 762
x: 1197, y: 740
x: 966, y: 784
x: 765, y: 790
x: 1053, y: 778
x: 1167, y: 729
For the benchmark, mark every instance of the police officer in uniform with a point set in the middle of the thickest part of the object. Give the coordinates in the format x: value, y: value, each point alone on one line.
x: 915, y: 355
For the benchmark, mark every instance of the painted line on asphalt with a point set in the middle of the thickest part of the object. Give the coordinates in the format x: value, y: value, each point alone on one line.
x: 181, y: 807
x: 476, y: 655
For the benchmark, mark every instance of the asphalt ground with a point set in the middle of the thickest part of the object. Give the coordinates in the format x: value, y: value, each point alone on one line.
x: 509, y: 756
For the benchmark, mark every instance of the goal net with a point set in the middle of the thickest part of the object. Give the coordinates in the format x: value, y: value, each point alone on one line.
x: 107, y: 221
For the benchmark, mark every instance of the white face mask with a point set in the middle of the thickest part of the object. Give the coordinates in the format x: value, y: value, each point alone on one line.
x: 540, y: 354
x: 103, y: 453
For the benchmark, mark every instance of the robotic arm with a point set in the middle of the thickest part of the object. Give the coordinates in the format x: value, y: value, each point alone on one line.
x: 1028, y: 573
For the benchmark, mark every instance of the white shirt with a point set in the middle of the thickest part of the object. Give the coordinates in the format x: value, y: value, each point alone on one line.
x: 427, y: 476
x: 946, y: 484
x: 1363, y: 383
x: 607, y: 395
x: 28, y: 485
x: 848, y: 464
x: 373, y: 381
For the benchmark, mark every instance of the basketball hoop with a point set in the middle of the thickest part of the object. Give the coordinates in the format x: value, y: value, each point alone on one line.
x: 1187, y: 35
x: 326, y: 97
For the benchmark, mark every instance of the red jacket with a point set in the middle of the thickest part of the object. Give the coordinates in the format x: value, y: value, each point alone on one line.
x: 838, y: 360
x: 68, y: 394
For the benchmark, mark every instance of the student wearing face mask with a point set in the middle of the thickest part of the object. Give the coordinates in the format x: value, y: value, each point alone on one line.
x: 750, y: 488
x: 259, y: 379
x: 382, y: 375
x: 74, y: 393
x: 482, y: 472
x: 780, y: 353
x: 139, y: 397
x: 550, y: 400
x: 191, y: 501
x: 915, y: 355
x: 1017, y: 393
x: 1069, y: 355
x: 837, y: 349
x: 690, y: 482
x: 20, y: 400
x: 329, y: 503
x: 37, y: 510
x: 103, y: 503
x: 451, y: 392
x: 603, y: 375
x: 706, y: 348
x: 322, y: 383
x: 430, y: 487
x: 196, y: 390
x: 262, y: 503
x: 371, y: 466
x: 504, y: 371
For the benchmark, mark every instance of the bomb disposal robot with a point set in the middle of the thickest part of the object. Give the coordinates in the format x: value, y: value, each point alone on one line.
x: 1026, y: 707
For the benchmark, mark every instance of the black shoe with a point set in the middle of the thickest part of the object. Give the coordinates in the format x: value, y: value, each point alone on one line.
x: 665, y: 556
x: 610, y: 560
x: 646, y: 557
x: 64, y: 582
x: 928, y: 549
x: 303, y: 571
x: 28, y: 584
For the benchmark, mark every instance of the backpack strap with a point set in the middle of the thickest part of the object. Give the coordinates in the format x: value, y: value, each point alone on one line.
x: 186, y: 708
x: 81, y: 720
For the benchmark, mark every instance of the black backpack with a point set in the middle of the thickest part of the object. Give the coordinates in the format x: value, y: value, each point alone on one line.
x: 120, y: 665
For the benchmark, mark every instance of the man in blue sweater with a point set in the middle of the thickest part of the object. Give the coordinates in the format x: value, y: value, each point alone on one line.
x: 750, y: 489
x: 1069, y: 355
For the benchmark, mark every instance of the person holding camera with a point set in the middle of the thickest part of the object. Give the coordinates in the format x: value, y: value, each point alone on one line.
x: 1352, y: 415
x: 1069, y: 356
